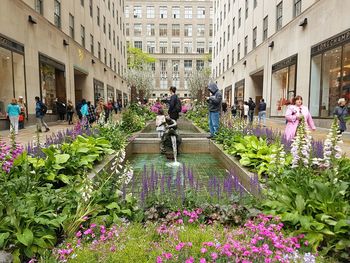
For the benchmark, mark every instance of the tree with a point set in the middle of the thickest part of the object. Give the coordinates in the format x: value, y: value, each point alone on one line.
x: 198, y: 83
x: 139, y: 76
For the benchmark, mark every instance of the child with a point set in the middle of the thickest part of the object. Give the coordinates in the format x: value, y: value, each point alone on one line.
x: 160, y: 123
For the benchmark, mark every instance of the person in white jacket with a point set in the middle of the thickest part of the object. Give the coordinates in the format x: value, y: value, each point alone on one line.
x: 160, y: 123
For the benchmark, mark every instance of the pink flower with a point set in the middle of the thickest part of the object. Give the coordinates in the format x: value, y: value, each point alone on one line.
x: 203, y: 250
x: 88, y: 231
x: 159, y: 259
x: 189, y: 244
x: 190, y: 221
x: 78, y: 234
x: 93, y: 225
x: 306, y: 243
x: 189, y: 260
x: 214, y: 256
x: 167, y: 255
x: 113, y: 248
x: 179, y: 246
x: 202, y: 260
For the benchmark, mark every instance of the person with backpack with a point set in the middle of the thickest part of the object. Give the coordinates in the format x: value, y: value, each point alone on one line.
x: 262, y: 113
x: 252, y: 106
x: 214, y: 107
x: 174, y: 104
x: 40, y: 112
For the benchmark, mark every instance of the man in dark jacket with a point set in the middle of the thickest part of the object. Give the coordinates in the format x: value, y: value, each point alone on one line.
x: 252, y: 106
x: 262, y: 112
x: 174, y: 104
x: 214, y: 106
x: 39, y: 114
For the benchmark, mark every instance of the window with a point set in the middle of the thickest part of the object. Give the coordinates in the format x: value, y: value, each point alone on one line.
x: 104, y: 24
x: 279, y: 13
x: 211, y: 13
x: 153, y: 66
x: 245, y: 45
x: 188, y: 47
x: 163, y: 45
x: 99, y: 50
x: 233, y: 57
x: 82, y: 34
x: 201, y: 12
x: 163, y: 12
x: 82, y: 2
x: 210, y: 46
x: 92, y: 44
x: 175, y: 46
x: 224, y: 11
x: 113, y: 13
x: 220, y: 43
x: 138, y: 44
x: 109, y: 32
x: 110, y: 60
x: 255, y: 3
x: 224, y: 39
x: 246, y: 8
x: 118, y: 43
x: 199, y: 64
x: 98, y: 16
x: 239, y: 17
x: 150, y: 30
x: 176, y: 12
x: 39, y: 6
x: 105, y: 56
x: 297, y: 8
x: 137, y: 29
x: 188, y: 30
x: 210, y: 30
x: 115, y: 65
x: 57, y: 14
x: 239, y: 51
x: 90, y: 8
x: 151, y: 46
x: 163, y: 30
x: 163, y: 65
x: 188, y: 11
x: 127, y: 29
x: 188, y: 66
x: 114, y: 39
x: 265, y: 28
x: 71, y: 26
x: 176, y: 64
x: 228, y: 32
x: 175, y: 30
x: 109, y: 5
x: 137, y: 12
x: 200, y: 47
x: 223, y: 66
x: 220, y: 18
x: 150, y: 12
x: 126, y: 11
x: 200, y: 30
x: 254, y: 37
x: 233, y: 26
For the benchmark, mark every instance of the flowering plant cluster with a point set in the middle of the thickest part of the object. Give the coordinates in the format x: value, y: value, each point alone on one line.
x: 8, y: 153
x: 260, y: 240
x: 301, y: 146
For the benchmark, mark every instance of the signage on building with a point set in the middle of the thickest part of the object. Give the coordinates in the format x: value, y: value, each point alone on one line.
x: 9, y: 44
x: 331, y: 43
x: 285, y: 63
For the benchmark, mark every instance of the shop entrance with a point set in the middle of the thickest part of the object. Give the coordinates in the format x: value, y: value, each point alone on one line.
x: 79, y: 84
x: 258, y: 85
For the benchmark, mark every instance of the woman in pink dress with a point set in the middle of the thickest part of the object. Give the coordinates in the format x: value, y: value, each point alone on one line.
x: 293, y: 114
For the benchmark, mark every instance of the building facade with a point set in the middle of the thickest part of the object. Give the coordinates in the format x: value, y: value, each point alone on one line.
x: 177, y: 33
x: 277, y: 49
x: 61, y: 49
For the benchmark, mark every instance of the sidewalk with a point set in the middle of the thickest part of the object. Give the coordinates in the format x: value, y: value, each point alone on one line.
x: 320, y: 133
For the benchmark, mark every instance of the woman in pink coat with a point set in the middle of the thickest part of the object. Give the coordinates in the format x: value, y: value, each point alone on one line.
x: 293, y: 114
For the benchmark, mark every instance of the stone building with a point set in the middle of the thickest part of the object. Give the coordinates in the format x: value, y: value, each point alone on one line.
x: 177, y: 33
x: 61, y: 49
x: 276, y: 49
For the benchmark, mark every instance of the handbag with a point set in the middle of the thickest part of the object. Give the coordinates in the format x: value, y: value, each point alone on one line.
x: 21, y: 117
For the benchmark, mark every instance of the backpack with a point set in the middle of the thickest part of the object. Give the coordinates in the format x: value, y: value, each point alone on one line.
x: 43, y: 108
x: 178, y: 105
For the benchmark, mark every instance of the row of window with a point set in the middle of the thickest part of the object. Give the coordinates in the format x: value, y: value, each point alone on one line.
x: 175, y: 30
x: 174, y: 66
x: 163, y: 12
x: 175, y: 47
x: 222, y: 40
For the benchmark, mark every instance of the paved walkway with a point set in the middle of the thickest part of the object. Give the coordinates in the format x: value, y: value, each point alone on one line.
x: 28, y: 134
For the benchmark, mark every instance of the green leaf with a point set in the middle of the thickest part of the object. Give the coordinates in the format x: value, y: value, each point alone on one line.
x: 126, y: 212
x: 341, y: 224
x: 342, y: 244
x: 3, y: 237
x: 300, y: 203
x: 113, y: 205
x: 64, y: 178
x: 61, y: 158
x: 26, y: 238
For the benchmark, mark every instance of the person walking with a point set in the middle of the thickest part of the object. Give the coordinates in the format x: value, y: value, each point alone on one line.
x: 262, y: 113
x: 174, y: 104
x: 245, y: 110
x: 341, y: 112
x: 224, y: 106
x: 22, y: 115
x: 40, y: 112
x: 70, y: 112
x: 214, y: 107
x: 13, y: 112
x: 252, y: 106
x: 294, y: 114
x: 61, y: 109
x: 91, y: 113
x: 234, y: 110
x: 84, y: 112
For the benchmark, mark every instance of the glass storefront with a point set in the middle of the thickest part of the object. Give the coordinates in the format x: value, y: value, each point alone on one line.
x: 110, y: 92
x: 228, y: 95
x: 330, y: 74
x: 12, y: 73
x: 53, y: 83
x: 283, y: 85
x: 126, y: 100
x: 99, y: 90
x: 239, y: 91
